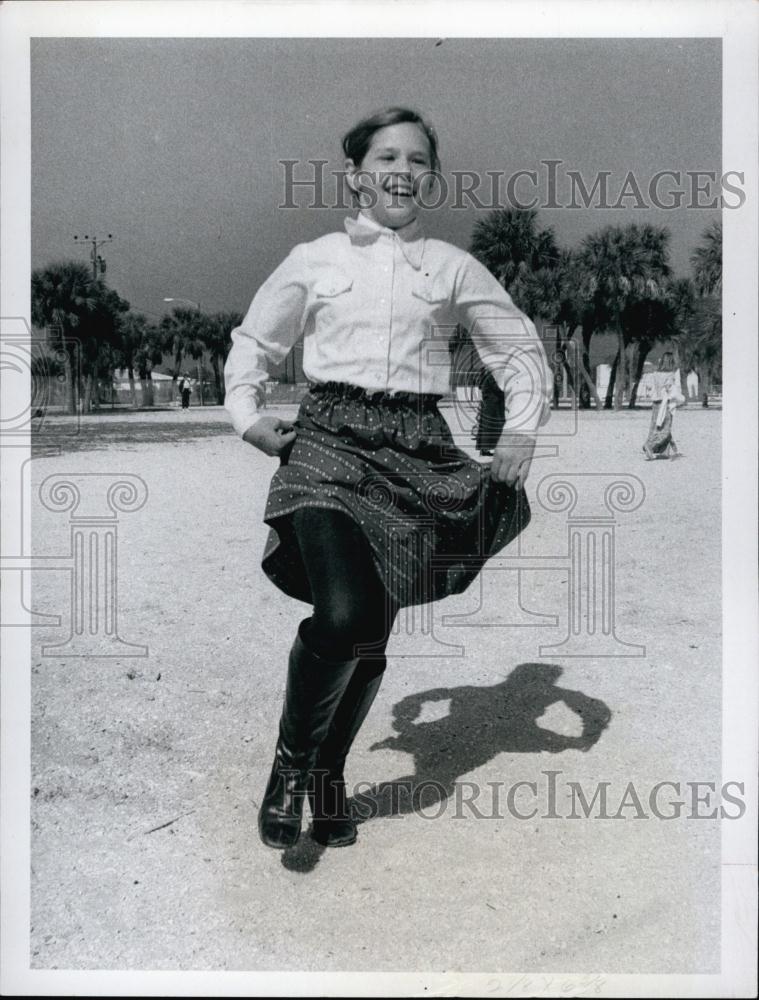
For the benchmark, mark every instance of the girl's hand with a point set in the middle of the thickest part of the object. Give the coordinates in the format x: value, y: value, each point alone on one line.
x: 270, y: 435
x: 512, y: 459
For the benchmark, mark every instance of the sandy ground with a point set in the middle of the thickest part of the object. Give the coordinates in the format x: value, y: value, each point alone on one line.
x: 147, y: 770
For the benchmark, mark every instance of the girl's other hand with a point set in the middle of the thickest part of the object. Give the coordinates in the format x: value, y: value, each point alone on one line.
x: 270, y: 435
x: 512, y: 459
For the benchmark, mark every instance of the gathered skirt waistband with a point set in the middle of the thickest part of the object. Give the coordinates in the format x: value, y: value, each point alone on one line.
x: 346, y: 390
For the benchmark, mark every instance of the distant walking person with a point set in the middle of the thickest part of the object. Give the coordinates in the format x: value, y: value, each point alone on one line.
x: 667, y: 397
x: 691, y: 381
x: 185, y: 389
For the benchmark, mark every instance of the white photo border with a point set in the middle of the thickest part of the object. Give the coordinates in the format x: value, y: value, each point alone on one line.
x: 735, y: 21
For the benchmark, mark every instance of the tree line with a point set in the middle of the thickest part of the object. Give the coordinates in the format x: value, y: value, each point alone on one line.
x: 93, y: 332
x: 618, y: 280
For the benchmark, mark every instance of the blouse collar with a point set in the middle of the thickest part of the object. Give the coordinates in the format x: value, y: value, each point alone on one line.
x: 362, y: 229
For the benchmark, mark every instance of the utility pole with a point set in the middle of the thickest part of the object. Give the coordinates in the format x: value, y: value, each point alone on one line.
x: 98, y: 263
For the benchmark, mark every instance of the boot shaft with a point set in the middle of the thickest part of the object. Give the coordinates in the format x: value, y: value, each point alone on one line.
x: 351, y: 713
x: 314, y: 688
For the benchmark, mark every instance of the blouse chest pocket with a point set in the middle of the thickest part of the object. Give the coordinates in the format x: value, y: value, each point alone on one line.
x: 430, y: 289
x: 332, y: 284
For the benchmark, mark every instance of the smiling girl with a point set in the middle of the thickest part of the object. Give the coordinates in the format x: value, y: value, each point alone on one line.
x: 373, y: 507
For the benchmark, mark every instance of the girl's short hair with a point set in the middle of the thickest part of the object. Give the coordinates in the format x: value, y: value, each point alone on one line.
x: 356, y: 142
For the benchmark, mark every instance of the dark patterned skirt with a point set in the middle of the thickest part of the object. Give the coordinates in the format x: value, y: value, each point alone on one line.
x: 659, y: 438
x: 431, y: 514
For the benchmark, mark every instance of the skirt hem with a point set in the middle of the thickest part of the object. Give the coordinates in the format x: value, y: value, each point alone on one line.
x: 295, y: 585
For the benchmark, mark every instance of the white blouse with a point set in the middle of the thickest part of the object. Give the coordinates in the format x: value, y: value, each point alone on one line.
x: 376, y: 307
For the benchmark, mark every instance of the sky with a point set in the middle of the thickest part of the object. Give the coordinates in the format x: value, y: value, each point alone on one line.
x: 173, y: 145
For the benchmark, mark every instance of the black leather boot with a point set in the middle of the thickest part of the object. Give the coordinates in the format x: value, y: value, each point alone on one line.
x: 332, y: 822
x: 313, y: 691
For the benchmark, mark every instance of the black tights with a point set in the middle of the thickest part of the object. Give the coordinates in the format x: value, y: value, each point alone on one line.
x: 353, y: 613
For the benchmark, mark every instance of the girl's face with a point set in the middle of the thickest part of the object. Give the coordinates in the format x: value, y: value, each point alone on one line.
x: 393, y: 175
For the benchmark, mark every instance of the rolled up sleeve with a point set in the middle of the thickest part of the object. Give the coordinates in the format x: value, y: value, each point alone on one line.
x: 508, y: 344
x: 272, y: 325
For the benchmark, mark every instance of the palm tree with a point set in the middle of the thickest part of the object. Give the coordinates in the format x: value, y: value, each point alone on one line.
x: 64, y: 295
x: 148, y: 355
x: 140, y: 348
x: 706, y: 261
x: 523, y: 258
x: 510, y: 244
x: 132, y: 333
x: 574, y: 315
x: 182, y: 337
x: 217, y: 343
x: 622, y: 265
x: 172, y: 329
x: 683, y: 301
x: 570, y: 315
x: 648, y: 322
x: 81, y: 315
x: 703, y: 349
x: 101, y: 339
